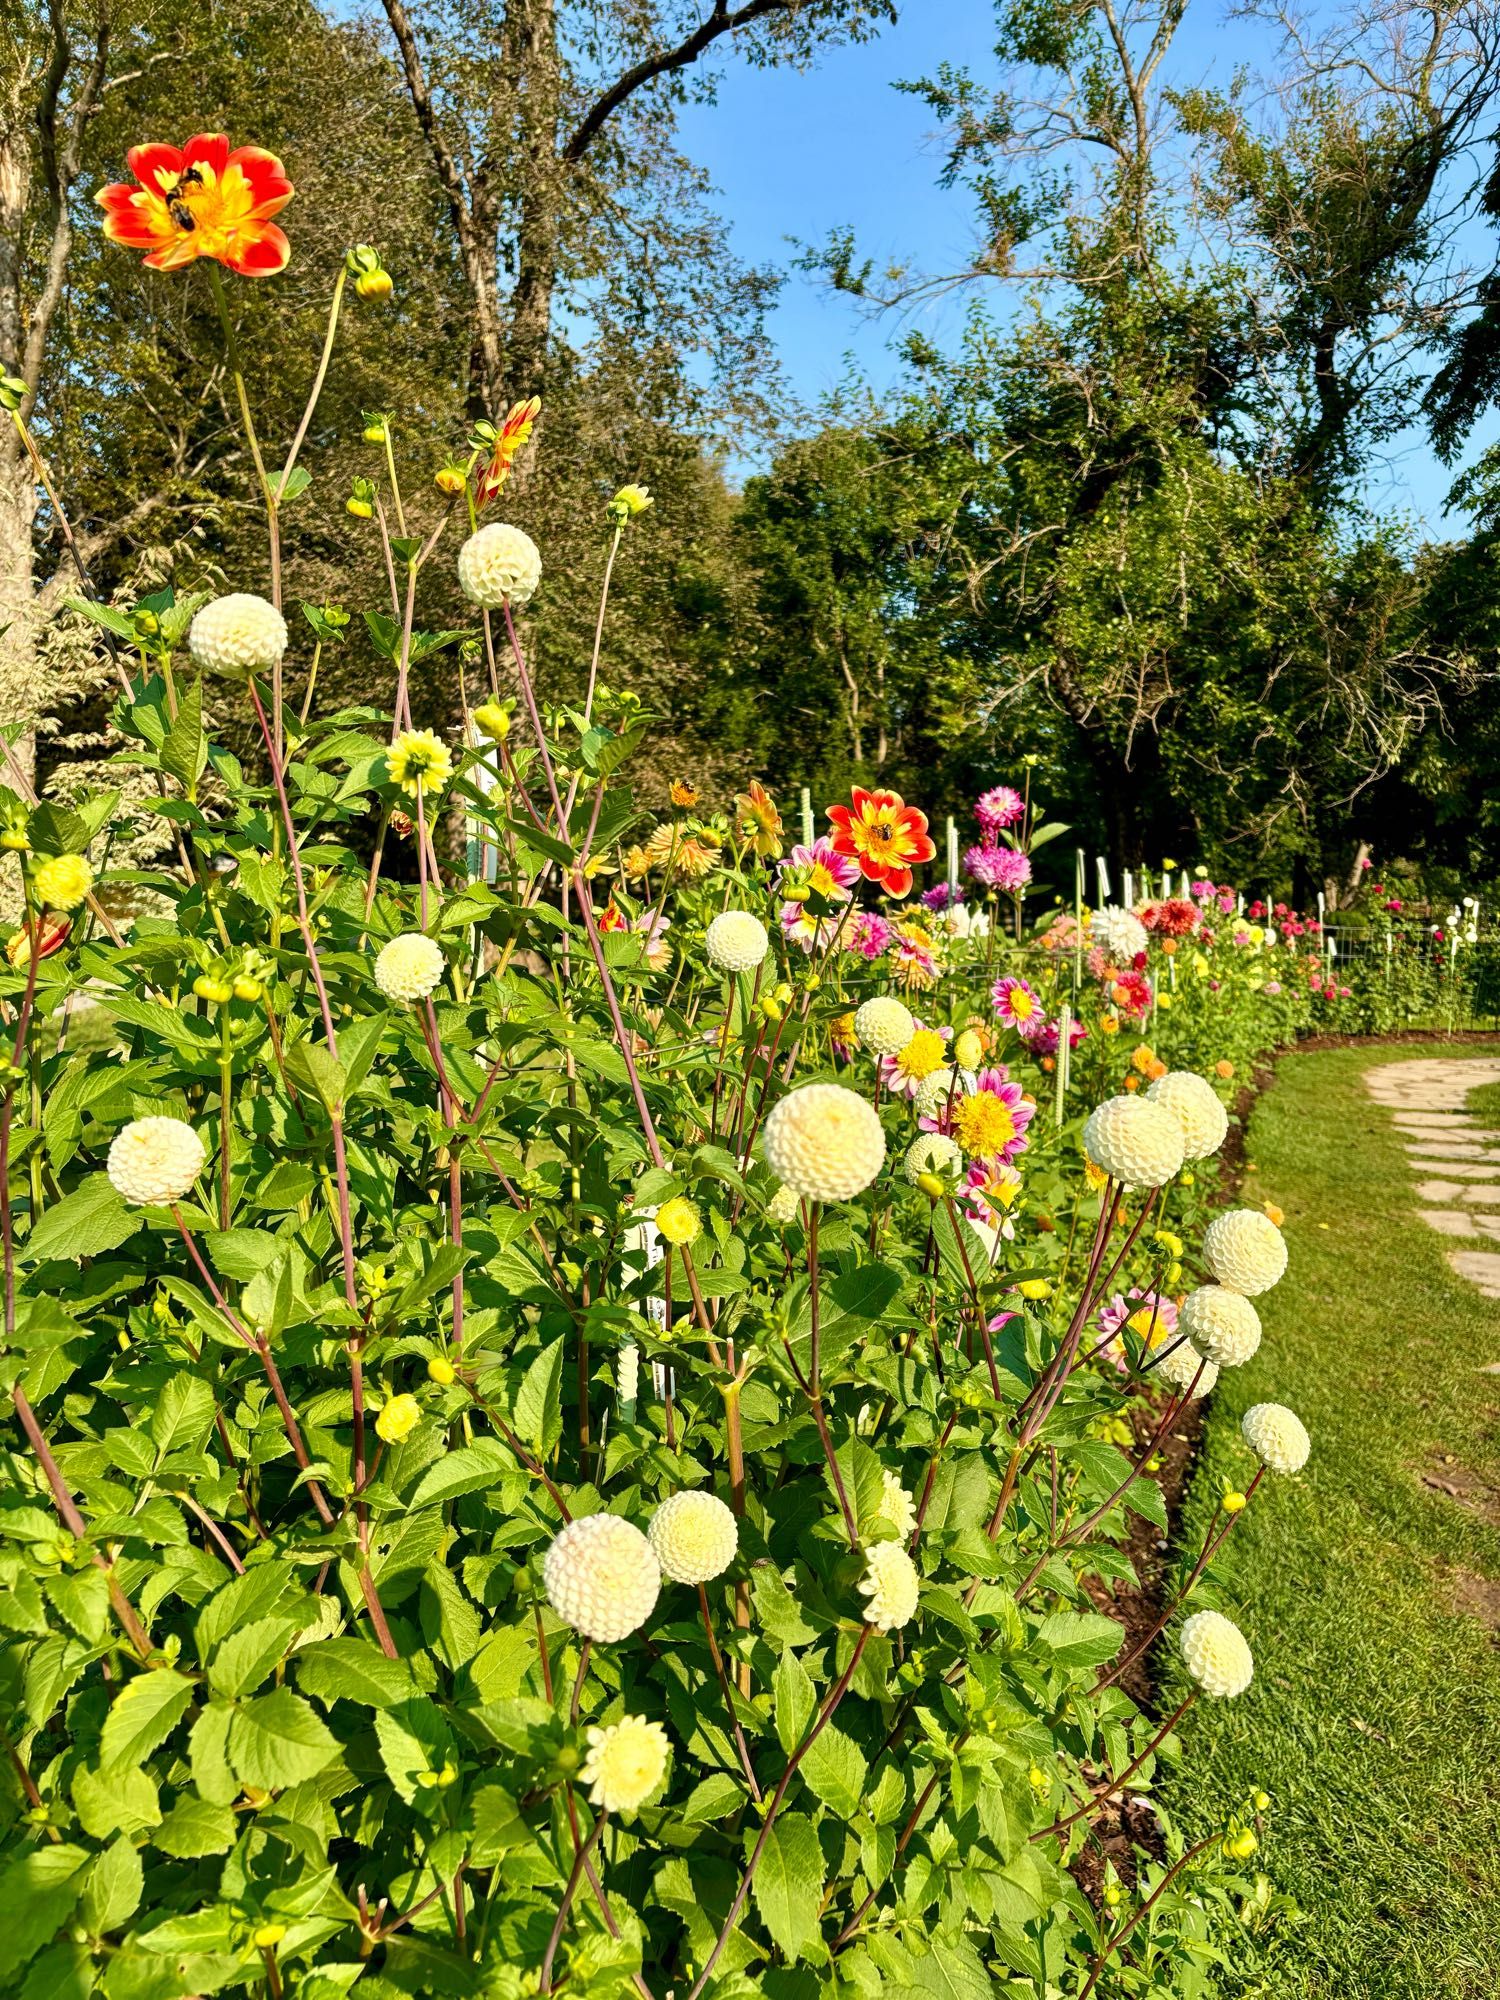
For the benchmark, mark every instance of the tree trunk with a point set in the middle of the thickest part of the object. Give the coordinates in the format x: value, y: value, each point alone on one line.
x: 19, y: 690
x: 532, y: 27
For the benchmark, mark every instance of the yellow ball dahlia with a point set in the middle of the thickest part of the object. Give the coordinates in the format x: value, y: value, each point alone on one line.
x: 237, y: 634
x: 678, y: 1221
x: 499, y: 564
x: 736, y: 941
x: 824, y: 1142
x: 1194, y: 1103
x: 154, y: 1161
x: 1220, y: 1324
x: 1277, y: 1436
x: 1134, y: 1141
x: 1179, y: 1363
x: 1245, y: 1250
x: 409, y: 967
x: 884, y: 1025
x: 62, y: 881
x: 694, y: 1537
x: 601, y: 1576
x: 890, y: 1586
x: 1216, y: 1655
x: 625, y: 1764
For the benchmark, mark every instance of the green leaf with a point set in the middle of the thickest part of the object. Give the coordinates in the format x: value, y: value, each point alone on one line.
x: 312, y: 1068
x: 83, y: 1599
x: 121, y: 1802
x: 473, y: 1468
x: 208, y: 1755
x: 538, y: 1411
x: 184, y: 1415
x: 248, y: 1655
x: 37, y: 1891
x: 194, y: 1827
x: 413, y: 1739
x: 835, y: 1767
x: 1079, y: 1639
x: 788, y: 1884
x: 185, y: 751
x: 145, y: 1712
x: 349, y: 1669
x: 111, y: 1888
x: 795, y: 1700
x: 85, y: 1223
x: 278, y: 1740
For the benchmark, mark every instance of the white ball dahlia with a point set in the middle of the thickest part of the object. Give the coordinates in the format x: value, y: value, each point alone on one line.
x: 1245, y: 1250
x: 409, y: 967
x: 890, y: 1585
x: 694, y: 1537
x: 154, y: 1161
x: 884, y: 1025
x: 736, y: 941
x: 1277, y: 1436
x: 237, y: 634
x: 601, y: 1577
x: 1194, y: 1103
x: 896, y: 1505
x: 933, y: 1153
x: 1220, y: 1324
x: 499, y: 564
x: 1120, y: 932
x: 1180, y: 1363
x: 1134, y: 1141
x: 1216, y: 1655
x: 935, y: 1090
x: 625, y: 1764
x: 824, y: 1142
x: 783, y: 1207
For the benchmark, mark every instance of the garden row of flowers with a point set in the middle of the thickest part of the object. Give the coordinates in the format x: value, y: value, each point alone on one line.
x: 573, y: 1417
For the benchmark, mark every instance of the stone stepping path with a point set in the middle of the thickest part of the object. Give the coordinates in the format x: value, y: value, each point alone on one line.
x: 1459, y: 1156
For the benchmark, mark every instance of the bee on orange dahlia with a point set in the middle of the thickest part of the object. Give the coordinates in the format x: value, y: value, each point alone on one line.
x: 884, y: 835
x: 201, y: 201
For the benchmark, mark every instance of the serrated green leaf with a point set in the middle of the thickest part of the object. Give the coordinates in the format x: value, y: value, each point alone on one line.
x: 788, y: 1885
x: 277, y: 1740
x: 145, y: 1712
x: 349, y: 1669
x: 85, y: 1223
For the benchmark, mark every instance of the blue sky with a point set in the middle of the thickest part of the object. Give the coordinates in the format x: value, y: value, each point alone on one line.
x: 799, y: 155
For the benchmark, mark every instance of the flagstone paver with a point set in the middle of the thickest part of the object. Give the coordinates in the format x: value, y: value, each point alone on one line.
x: 1426, y: 1097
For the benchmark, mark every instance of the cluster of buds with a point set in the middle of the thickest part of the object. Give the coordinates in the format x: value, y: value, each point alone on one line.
x: 371, y: 279
x: 238, y: 979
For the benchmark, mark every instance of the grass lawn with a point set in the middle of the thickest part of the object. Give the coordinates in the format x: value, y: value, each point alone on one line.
x: 1371, y: 1599
x: 1484, y: 1102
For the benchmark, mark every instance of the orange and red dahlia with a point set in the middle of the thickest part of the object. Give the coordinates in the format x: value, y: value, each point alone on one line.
x: 884, y: 835
x: 202, y: 201
x: 514, y: 432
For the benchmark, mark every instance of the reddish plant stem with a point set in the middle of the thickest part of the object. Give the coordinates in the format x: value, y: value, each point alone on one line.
x: 1150, y: 1903
x: 544, y: 1983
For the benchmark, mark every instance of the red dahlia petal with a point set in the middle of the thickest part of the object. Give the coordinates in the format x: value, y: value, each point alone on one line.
x: 262, y: 256
x: 146, y: 162
x: 207, y: 149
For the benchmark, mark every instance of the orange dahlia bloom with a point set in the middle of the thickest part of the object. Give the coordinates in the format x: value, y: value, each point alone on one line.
x: 759, y: 821
x: 204, y: 201
x: 884, y: 835
x: 514, y: 432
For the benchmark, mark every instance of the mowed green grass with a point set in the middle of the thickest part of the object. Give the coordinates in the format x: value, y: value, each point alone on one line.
x: 1370, y: 1599
x: 1484, y: 1102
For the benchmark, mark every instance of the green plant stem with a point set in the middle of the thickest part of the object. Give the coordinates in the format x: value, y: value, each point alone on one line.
x: 247, y: 423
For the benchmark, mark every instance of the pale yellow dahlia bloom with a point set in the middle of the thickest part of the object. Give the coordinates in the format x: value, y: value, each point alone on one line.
x: 398, y: 1419
x: 1277, y: 1436
x: 934, y: 1092
x: 1216, y: 1655
x: 154, y: 1161
x: 1245, y: 1250
x: 1134, y: 1141
x: 694, y: 1536
x: 896, y: 1505
x: 62, y: 881
x: 933, y: 1153
x: 1220, y: 1324
x: 784, y: 1207
x: 409, y: 967
x: 824, y: 1142
x: 1178, y: 1365
x: 890, y: 1585
x: 499, y: 564
x: 1194, y: 1103
x: 884, y: 1025
x: 237, y: 634
x: 601, y: 1576
x: 420, y: 762
x: 736, y: 941
x: 625, y: 1764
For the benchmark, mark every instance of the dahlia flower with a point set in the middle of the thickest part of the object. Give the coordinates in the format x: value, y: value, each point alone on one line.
x: 201, y: 201
x: 884, y: 835
x: 499, y: 565
x: 1277, y: 1436
x: 237, y: 634
x: 398, y: 1419
x: 824, y: 1142
x: 1120, y: 933
x: 1173, y: 917
x: 939, y: 899
x: 409, y: 967
x: 626, y: 1762
x: 694, y: 1537
x: 931, y: 1154
x: 511, y: 434
x: 895, y: 1505
x: 1016, y: 1002
x: 914, y: 962
x: 820, y: 870
x: 678, y: 1221
x: 1044, y: 1038
x: 1001, y: 806
x: 991, y: 1192
x: 1184, y: 1369
x: 783, y: 1207
x: 757, y: 820
x: 601, y: 1576
x: 1004, y: 868
x: 1134, y: 1141
x: 154, y: 1161
x: 884, y: 1025
x: 62, y: 881
x: 736, y: 941
x: 1151, y: 1316
x: 1221, y: 1324
x: 1245, y: 1251
x: 1215, y: 1654
x: 1194, y: 1103
x: 923, y: 1052
x: 869, y: 935
x: 989, y: 1122
x: 891, y: 1586
x: 419, y: 762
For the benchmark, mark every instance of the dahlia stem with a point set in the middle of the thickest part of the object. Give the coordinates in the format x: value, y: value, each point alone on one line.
x: 237, y: 371
x: 723, y: 1678
x: 544, y: 1983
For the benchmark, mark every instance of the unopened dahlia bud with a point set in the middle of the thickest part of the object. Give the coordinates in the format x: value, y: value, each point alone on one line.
x: 884, y: 1025
x: 1277, y: 1436
x: 891, y: 1586
x: 154, y: 1161
x: 824, y: 1142
x: 601, y: 1577
x: 625, y: 1765
x: 1194, y: 1103
x: 1134, y: 1141
x: 1216, y: 1655
x: 1245, y: 1251
x: 736, y: 941
x: 499, y: 564
x: 1220, y: 1324
x: 694, y: 1536
x: 238, y: 634
x: 409, y: 967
